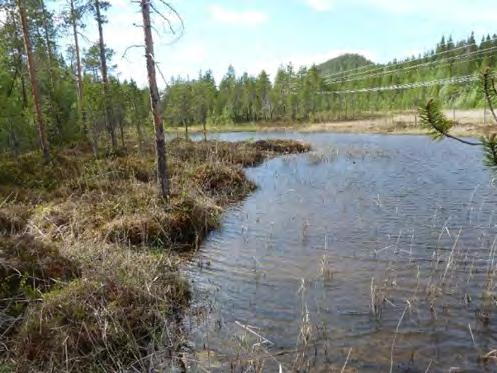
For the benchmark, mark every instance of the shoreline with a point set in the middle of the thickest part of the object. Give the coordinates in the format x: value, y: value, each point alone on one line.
x: 469, y: 123
x: 92, y: 256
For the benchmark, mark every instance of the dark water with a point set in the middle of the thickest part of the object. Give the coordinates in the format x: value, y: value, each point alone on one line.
x: 377, y: 246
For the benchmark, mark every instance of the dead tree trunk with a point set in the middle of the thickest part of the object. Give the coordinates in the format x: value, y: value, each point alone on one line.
x: 105, y: 78
x: 34, y: 82
x: 160, y: 142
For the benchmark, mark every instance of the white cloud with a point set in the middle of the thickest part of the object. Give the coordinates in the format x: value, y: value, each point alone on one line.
x: 237, y: 17
x: 321, y: 5
x: 463, y: 10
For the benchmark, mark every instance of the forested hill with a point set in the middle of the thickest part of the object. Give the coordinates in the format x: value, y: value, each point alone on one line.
x: 449, y: 72
x: 343, y: 63
x: 342, y: 88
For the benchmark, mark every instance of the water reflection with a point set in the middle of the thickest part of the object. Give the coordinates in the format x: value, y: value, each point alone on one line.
x: 381, y: 246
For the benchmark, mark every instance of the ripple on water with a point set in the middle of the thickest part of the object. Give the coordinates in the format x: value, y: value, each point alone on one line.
x: 416, y: 216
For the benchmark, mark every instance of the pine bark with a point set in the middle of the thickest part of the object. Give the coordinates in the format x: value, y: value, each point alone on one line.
x: 160, y: 142
x: 79, y: 70
x: 105, y: 77
x: 33, y: 76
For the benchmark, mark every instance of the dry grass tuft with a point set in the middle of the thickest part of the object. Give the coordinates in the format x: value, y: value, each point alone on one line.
x: 223, y: 182
x: 28, y: 267
x: 13, y: 218
x: 95, y: 219
x: 181, y: 226
x: 281, y: 146
x: 90, y: 324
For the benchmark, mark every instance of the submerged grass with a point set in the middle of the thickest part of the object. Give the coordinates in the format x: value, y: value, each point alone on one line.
x: 89, y: 254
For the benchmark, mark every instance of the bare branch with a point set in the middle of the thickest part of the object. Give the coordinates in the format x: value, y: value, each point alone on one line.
x: 131, y: 47
x: 168, y: 21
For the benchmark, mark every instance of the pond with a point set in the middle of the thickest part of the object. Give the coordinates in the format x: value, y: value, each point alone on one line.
x: 371, y: 253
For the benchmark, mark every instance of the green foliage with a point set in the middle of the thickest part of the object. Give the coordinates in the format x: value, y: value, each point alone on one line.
x: 487, y: 79
x: 434, y: 120
x: 342, y: 63
x: 448, y: 59
x: 223, y: 119
x: 439, y: 126
x: 294, y: 95
x: 56, y: 79
x: 489, y: 144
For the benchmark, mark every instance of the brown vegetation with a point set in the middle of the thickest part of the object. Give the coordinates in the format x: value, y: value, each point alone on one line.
x: 89, y: 253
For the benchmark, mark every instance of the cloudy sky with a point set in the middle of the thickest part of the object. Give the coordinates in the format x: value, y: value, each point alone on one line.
x: 263, y: 34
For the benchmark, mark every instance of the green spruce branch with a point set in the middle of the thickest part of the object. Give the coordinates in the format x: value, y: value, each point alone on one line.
x: 439, y: 126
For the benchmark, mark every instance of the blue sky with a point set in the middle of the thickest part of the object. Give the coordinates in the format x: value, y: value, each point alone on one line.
x: 263, y: 34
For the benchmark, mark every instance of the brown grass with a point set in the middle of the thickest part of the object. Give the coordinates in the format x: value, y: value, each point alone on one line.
x: 28, y: 267
x: 101, y: 220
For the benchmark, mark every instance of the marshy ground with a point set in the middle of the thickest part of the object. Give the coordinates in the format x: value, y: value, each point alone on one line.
x: 474, y: 122
x: 89, y: 255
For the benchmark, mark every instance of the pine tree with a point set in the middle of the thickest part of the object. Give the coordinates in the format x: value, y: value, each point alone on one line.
x: 160, y: 141
x: 33, y: 75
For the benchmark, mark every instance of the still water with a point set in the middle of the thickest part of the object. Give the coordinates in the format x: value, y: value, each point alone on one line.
x: 371, y: 253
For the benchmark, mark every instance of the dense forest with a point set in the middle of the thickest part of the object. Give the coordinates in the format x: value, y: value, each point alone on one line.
x: 434, y: 72
x: 74, y: 105
x: 69, y: 82
x: 327, y: 91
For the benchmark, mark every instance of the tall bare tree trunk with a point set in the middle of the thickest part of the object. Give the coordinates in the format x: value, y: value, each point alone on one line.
x: 34, y: 82
x: 20, y: 55
x: 79, y: 72
x: 52, y: 80
x: 160, y: 141
x: 105, y: 77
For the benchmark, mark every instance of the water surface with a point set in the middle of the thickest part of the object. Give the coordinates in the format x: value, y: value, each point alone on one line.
x: 373, y: 245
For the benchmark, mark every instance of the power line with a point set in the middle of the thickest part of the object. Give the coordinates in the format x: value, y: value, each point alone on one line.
x: 425, y: 57
x: 373, y: 67
x: 454, y: 80
x: 460, y: 58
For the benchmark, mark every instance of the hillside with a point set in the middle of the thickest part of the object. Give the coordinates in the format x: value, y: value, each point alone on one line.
x: 449, y: 73
x: 342, y: 63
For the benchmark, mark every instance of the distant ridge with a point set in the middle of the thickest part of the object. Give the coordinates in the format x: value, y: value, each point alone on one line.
x: 344, y: 62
